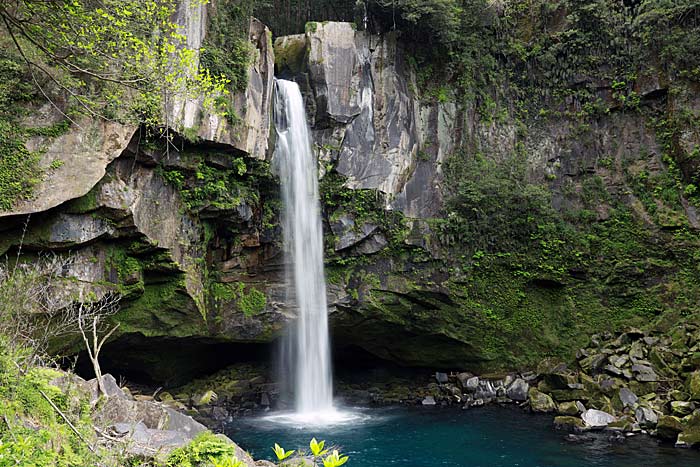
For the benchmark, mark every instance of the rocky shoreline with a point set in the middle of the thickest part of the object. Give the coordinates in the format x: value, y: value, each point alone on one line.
x: 631, y: 382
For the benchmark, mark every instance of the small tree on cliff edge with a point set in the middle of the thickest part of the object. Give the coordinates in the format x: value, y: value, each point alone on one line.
x: 91, y: 317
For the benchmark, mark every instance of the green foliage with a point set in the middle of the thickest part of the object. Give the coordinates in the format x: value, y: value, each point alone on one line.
x: 33, y: 433
x: 334, y: 459
x: 19, y: 172
x: 492, y: 207
x: 100, y: 55
x: 208, y: 186
x: 227, y: 52
x: 317, y: 448
x: 206, y: 450
x: 250, y: 302
x: 437, y: 21
x: 280, y: 453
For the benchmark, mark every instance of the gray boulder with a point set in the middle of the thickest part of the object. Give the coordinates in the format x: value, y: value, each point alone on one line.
x: 428, y: 400
x: 463, y: 378
x: 148, y: 442
x: 518, y: 390
x: 627, y: 397
x: 441, y: 377
x: 646, y: 417
x: 597, y: 418
x: 472, y: 384
x: 644, y: 373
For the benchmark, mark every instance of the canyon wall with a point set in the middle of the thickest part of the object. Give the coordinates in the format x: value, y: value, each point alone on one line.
x: 459, y: 233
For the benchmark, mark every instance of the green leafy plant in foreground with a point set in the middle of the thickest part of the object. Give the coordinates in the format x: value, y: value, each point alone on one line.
x: 334, y: 459
x: 207, y: 450
x: 317, y: 448
x: 281, y: 453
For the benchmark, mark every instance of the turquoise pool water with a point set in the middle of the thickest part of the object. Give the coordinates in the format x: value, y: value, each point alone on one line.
x: 448, y: 437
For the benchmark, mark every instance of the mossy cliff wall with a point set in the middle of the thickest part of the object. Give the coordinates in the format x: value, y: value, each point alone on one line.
x: 486, y: 216
x: 477, y: 218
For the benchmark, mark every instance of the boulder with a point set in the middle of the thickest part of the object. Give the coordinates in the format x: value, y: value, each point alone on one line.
x: 110, y: 385
x: 613, y: 370
x: 625, y: 423
x: 627, y: 397
x: 593, y: 363
x: 597, y: 418
x: 689, y: 438
x: 677, y: 395
x: 644, y: 373
x: 568, y: 408
x: 682, y: 408
x: 636, y: 351
x: 147, y: 442
x: 75, y: 388
x: 564, y: 395
x: 668, y: 427
x: 485, y: 390
x: 441, y: 378
x: 558, y: 380
x: 540, y: 402
x: 428, y: 400
x: 463, y: 378
x: 85, y: 152
x: 518, y: 390
x: 568, y: 423
x: 472, y: 384
x: 692, y: 385
x: 646, y: 417
x: 618, y: 361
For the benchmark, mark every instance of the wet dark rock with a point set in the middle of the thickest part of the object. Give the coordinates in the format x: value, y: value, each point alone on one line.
x: 568, y: 423
x: 578, y: 439
x: 668, y: 427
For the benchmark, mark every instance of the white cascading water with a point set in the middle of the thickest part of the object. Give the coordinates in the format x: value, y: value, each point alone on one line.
x: 313, y: 384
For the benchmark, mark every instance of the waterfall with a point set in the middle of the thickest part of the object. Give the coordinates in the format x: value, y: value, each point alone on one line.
x: 313, y: 385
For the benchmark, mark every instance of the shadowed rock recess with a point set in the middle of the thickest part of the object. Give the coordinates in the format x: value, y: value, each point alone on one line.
x: 478, y: 227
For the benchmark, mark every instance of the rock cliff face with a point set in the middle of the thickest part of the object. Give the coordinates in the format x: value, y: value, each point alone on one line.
x: 422, y: 277
x: 117, y: 213
x: 189, y: 233
x: 367, y: 117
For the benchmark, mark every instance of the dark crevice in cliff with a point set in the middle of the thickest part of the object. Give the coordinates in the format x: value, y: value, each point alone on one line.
x: 170, y: 362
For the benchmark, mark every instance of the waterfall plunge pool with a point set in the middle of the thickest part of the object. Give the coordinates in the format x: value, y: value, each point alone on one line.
x: 448, y: 437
